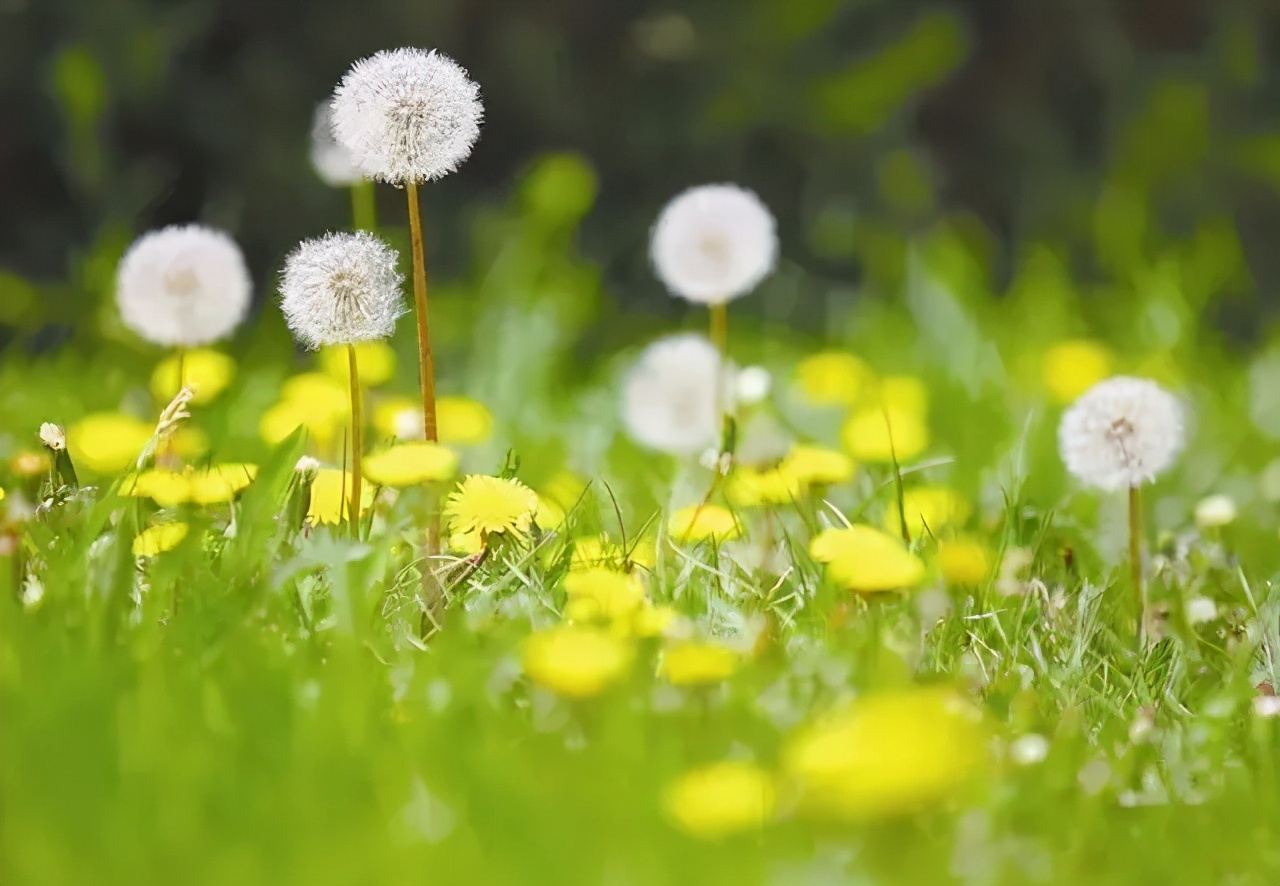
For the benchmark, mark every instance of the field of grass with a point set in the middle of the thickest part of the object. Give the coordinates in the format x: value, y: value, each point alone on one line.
x: 607, y: 694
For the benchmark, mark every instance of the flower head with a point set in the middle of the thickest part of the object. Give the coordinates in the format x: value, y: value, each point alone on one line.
x: 702, y: 522
x: 670, y: 402
x: 183, y: 286
x: 483, y: 506
x: 694, y: 663
x: 576, y: 661
x: 721, y: 799
x: 865, y: 559
x: 407, y: 115
x: 1121, y: 433
x: 409, y: 464
x: 833, y: 378
x: 331, y: 161
x: 207, y: 371
x: 53, y: 436
x: 331, y: 496
x: 714, y: 243
x: 155, y: 540
x: 341, y: 289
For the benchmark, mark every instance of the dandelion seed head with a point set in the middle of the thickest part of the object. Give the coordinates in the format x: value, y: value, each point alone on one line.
x: 331, y: 161
x: 1121, y: 433
x: 670, y: 397
x: 183, y: 286
x: 407, y: 115
x: 340, y: 289
x: 714, y: 243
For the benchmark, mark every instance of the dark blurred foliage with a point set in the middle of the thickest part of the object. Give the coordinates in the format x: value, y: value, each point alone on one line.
x: 1099, y: 130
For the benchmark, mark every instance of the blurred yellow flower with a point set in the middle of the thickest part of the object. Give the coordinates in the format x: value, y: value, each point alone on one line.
x: 463, y: 421
x: 411, y: 464
x: 721, y: 799
x: 599, y: 594
x: 600, y: 550
x: 375, y: 363
x: 833, y: 378
x: 652, y: 621
x: 107, y: 442
x: 1072, y: 367
x: 861, y: 558
x: 398, y: 417
x: 2, y: 493
x: 818, y: 466
x: 576, y: 661
x: 212, y: 485
x: 331, y: 496
x: 964, y: 562
x: 875, y: 434
x: 207, y: 370
x: 888, y: 753
x: 284, y: 418
x: 158, y: 539
x: 928, y: 508
x: 903, y: 393
x: 702, y: 522
x: 749, y: 487
x: 29, y: 464
x: 693, y: 663
x: 489, y: 505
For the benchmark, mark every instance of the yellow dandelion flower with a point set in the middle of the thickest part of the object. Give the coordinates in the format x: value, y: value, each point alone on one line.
x: 317, y: 392
x: 964, y: 561
x: 878, y: 435
x: 696, y: 664
x: 721, y: 799
x: 411, y: 464
x: 1072, y: 367
x: 903, y: 393
x: 463, y: 421
x: 393, y: 416
x: 749, y: 487
x: 207, y: 370
x: 602, y: 594
x: 218, y: 483
x: 284, y: 418
x: 928, y: 509
x: 886, y: 754
x: 833, y: 378
x: 653, y: 621
x: 818, y: 466
x: 158, y: 539
x: 861, y: 558
x: 375, y: 363
x: 702, y: 522
x: 107, y: 442
x: 29, y: 464
x: 467, y: 544
x: 331, y: 497
x: 2, y: 493
x: 576, y: 661
x: 489, y: 505
x: 600, y: 550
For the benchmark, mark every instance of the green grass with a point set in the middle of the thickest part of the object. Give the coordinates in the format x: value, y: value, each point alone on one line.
x: 256, y: 706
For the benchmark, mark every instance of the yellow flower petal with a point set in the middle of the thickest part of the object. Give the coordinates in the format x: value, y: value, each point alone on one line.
x: 964, y: 561
x: 107, y: 442
x: 702, y: 522
x: 749, y: 487
x: 696, y: 664
x: 865, y: 559
x: 207, y: 370
x: 331, y: 497
x: 158, y: 539
x: 818, y: 466
x: 1072, y: 367
x: 491, y: 505
x: 463, y: 421
x: 600, y: 594
x: 721, y: 799
x: 411, y: 464
x: 928, y: 509
x: 902, y: 393
x: 833, y: 378
x: 576, y: 661
x: 375, y: 363
x: 876, y: 435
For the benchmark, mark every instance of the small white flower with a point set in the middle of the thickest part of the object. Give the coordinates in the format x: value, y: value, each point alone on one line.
x: 714, y: 243
x: 53, y: 436
x: 752, y: 385
x: 331, y: 161
x: 1121, y: 433
x: 670, y: 401
x: 1215, y: 511
x: 183, y: 286
x: 407, y: 115
x: 1267, y: 705
x: 340, y: 289
x: 307, y: 466
x: 1200, y: 610
x: 1029, y: 749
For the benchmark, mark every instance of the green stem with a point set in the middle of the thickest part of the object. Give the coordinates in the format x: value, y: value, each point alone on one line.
x: 364, y: 213
x: 426, y: 364
x: 1135, y: 561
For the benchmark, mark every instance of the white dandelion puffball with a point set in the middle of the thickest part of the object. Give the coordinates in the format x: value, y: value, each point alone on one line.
x: 407, y: 115
x: 331, y: 161
x: 340, y: 289
x: 1121, y: 433
x: 183, y: 286
x: 714, y: 243
x: 670, y: 400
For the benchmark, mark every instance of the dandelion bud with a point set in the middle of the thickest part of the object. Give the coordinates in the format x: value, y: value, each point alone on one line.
x: 670, y: 399
x: 340, y: 289
x: 183, y: 286
x: 307, y: 466
x: 714, y: 243
x: 331, y: 161
x: 1121, y: 433
x: 53, y: 436
x: 407, y: 115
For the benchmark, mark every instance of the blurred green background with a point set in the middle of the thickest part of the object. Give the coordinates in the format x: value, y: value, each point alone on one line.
x: 1087, y: 133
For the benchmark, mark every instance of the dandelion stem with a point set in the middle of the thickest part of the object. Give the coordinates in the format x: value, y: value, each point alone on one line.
x: 357, y: 438
x: 1135, y: 561
x: 182, y: 367
x: 364, y: 213
x: 720, y: 328
x: 426, y: 366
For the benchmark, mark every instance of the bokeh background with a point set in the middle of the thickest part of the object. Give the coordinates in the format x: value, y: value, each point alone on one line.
x: 1069, y: 142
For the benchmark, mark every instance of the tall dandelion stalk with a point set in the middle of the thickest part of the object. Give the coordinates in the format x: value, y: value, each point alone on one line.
x: 1121, y: 434
x: 342, y: 289
x: 409, y: 116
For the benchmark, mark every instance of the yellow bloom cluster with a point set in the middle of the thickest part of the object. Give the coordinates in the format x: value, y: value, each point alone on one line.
x: 862, y: 558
